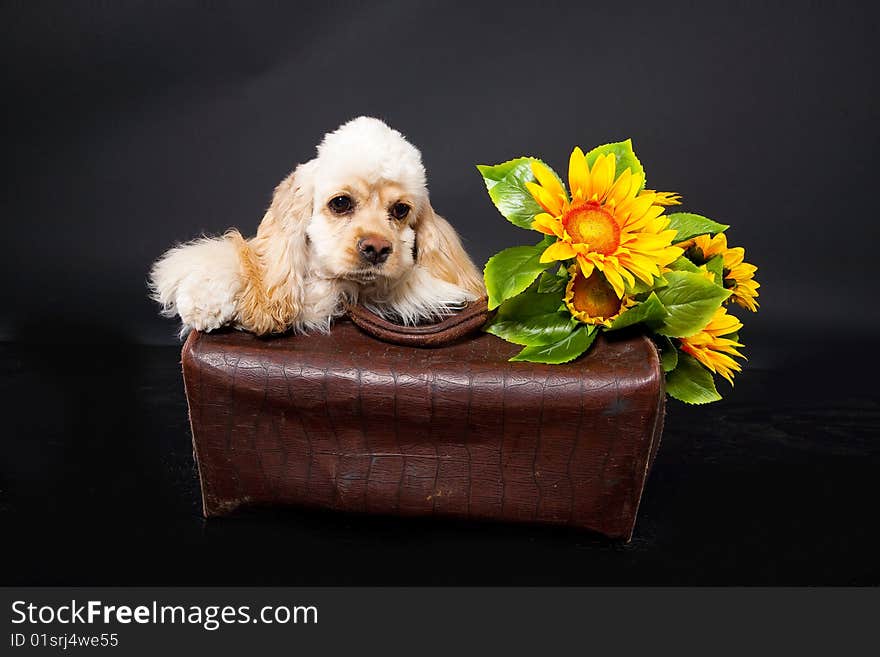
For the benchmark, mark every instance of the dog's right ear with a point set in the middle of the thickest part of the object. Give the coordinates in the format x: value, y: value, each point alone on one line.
x: 291, y: 205
x: 276, y: 259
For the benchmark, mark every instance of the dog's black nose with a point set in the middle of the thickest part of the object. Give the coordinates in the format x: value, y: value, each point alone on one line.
x: 374, y: 250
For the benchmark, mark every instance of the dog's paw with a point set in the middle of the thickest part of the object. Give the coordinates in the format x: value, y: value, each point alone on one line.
x: 205, y: 305
x: 421, y: 297
x: 455, y: 299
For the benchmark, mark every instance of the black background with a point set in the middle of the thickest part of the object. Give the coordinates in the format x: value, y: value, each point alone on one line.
x: 131, y: 126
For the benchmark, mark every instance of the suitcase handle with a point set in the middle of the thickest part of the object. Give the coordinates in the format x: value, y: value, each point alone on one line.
x: 450, y: 329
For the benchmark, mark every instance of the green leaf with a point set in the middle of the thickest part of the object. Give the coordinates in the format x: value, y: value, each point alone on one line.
x: 641, y: 287
x: 537, y: 330
x: 567, y: 349
x: 648, y: 311
x: 683, y: 264
x: 625, y: 157
x: 690, y: 225
x: 691, y: 301
x: 517, y: 169
x: 668, y: 353
x: 532, y: 318
x: 529, y: 304
x: 511, y: 271
x: 506, y: 185
x: 690, y: 382
x: 716, y: 266
x: 549, y: 282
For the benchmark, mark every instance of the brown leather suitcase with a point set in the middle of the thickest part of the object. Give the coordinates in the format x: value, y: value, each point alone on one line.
x: 344, y: 421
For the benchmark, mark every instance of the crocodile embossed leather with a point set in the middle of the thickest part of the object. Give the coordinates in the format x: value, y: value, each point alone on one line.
x: 343, y: 421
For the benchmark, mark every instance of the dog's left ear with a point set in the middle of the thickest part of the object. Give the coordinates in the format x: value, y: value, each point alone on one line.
x: 439, y: 250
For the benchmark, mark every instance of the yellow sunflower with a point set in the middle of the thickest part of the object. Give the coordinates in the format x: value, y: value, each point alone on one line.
x: 714, y: 351
x: 739, y: 276
x: 607, y: 224
x: 592, y: 300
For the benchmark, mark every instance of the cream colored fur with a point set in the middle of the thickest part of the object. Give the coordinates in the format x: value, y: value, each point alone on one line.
x: 303, y: 267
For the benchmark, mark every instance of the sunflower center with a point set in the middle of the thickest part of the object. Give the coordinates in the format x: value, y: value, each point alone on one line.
x: 592, y: 225
x: 695, y: 255
x: 594, y: 296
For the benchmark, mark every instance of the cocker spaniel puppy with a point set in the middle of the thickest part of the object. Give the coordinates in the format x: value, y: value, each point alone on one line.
x: 353, y: 225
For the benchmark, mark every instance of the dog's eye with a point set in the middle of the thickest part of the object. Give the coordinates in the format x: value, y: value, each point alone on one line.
x: 341, y: 204
x: 399, y: 210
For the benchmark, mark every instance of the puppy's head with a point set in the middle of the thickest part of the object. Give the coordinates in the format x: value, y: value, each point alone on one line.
x: 359, y: 213
x: 369, y: 196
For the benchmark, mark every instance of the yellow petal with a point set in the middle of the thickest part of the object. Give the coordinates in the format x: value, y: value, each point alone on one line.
x: 637, y: 182
x: 646, y: 241
x: 702, y: 356
x: 586, y: 266
x: 578, y: 174
x: 660, y: 257
x: 746, y: 302
x: 728, y: 347
x: 548, y: 224
x: 558, y: 251
x: 743, y: 271
x: 712, y: 246
x: 659, y: 226
x: 634, y: 209
x: 666, y: 198
x: 548, y: 180
x: 602, y: 176
x: 551, y: 204
x: 620, y: 189
x: 643, y: 267
x: 724, y: 364
x: 646, y: 220
x: 615, y: 280
x: 734, y: 257
x: 670, y: 254
x: 627, y: 276
x: 723, y: 324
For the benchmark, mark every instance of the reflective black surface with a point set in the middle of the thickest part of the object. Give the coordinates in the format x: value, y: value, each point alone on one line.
x: 774, y: 485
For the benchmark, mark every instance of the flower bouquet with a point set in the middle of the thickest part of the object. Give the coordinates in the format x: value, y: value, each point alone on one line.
x: 611, y: 259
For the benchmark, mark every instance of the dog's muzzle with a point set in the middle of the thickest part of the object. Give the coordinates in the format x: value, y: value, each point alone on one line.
x: 374, y: 250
